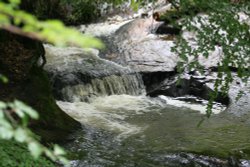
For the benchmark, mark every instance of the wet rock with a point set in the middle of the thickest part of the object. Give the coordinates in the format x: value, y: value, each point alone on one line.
x: 187, y: 85
x: 239, y: 94
x: 165, y: 29
x: 141, y: 50
x: 137, y: 45
x: 153, y: 79
x: 78, y: 75
x: 189, y: 159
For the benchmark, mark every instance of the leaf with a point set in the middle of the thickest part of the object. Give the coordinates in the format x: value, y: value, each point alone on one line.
x: 1, y: 115
x: 20, y: 135
x: 5, y: 123
x: 50, y: 155
x: 19, y: 112
x: 2, y: 105
x: 2, y: 77
x: 16, y: 2
x: 58, y: 150
x: 32, y: 113
x: 35, y: 149
x: 64, y: 161
x: 21, y: 108
x: 6, y: 133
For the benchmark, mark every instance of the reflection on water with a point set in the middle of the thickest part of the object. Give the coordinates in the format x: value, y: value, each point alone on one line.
x: 123, y: 130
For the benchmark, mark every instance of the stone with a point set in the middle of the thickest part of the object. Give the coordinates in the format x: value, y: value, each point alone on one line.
x: 29, y: 83
x: 78, y: 75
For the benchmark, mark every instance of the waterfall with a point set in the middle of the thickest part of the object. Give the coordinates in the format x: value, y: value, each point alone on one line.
x: 110, y: 85
x: 79, y: 75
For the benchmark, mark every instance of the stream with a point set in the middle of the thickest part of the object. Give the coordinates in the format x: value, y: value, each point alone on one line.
x: 121, y: 125
x: 124, y: 130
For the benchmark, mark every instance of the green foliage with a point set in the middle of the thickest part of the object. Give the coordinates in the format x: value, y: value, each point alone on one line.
x: 14, y: 154
x: 14, y: 116
x: 14, y: 119
x: 216, y: 23
x: 85, y: 11
x: 52, y: 31
x: 3, y: 78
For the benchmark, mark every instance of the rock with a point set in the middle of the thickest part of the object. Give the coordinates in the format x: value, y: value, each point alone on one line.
x: 188, y: 85
x: 239, y: 94
x: 142, y: 51
x: 136, y: 44
x: 165, y: 29
x: 30, y: 84
x: 78, y: 75
x: 18, y: 56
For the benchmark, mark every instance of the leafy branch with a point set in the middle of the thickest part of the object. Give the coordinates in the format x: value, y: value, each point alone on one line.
x: 52, y: 31
x: 215, y: 23
x: 14, y: 118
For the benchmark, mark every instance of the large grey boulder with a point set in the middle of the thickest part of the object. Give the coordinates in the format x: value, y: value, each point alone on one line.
x: 78, y: 75
x: 141, y: 50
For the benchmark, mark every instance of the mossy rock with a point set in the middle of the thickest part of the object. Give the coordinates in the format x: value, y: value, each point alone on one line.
x: 53, y: 124
x: 30, y: 84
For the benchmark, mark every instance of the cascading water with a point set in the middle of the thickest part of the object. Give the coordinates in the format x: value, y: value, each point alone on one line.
x: 124, y: 128
x: 124, y: 84
x: 78, y: 75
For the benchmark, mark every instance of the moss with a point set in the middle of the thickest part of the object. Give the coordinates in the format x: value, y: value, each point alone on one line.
x: 13, y: 154
x: 53, y: 124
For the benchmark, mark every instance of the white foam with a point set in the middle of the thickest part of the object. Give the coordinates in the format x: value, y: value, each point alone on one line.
x: 200, y: 107
x: 103, y: 29
x: 109, y: 113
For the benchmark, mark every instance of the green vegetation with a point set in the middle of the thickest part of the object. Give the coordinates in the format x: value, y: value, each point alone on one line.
x: 39, y: 85
x: 83, y: 11
x: 11, y: 128
x: 53, y: 31
x: 215, y: 23
x: 13, y: 154
x: 86, y: 11
x: 15, y: 116
x: 220, y: 27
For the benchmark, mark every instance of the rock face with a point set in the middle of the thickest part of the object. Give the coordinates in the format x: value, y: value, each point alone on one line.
x: 78, y: 74
x: 239, y: 94
x: 137, y: 46
x: 141, y: 50
x: 13, y: 64
x: 189, y: 84
x: 30, y: 84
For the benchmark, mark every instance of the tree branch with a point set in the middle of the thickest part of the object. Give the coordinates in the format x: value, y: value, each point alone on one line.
x: 19, y: 31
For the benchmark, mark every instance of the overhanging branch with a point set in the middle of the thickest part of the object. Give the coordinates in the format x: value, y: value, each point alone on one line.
x: 19, y: 31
